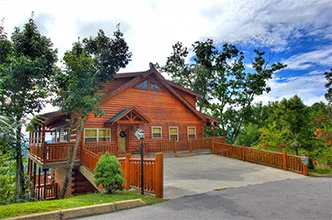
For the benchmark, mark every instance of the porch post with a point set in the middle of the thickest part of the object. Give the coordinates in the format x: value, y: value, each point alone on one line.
x: 43, y: 133
x: 39, y: 134
x: 117, y: 139
x: 36, y: 136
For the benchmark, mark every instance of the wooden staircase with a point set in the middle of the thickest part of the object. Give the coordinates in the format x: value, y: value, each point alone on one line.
x: 80, y: 184
x: 90, y: 177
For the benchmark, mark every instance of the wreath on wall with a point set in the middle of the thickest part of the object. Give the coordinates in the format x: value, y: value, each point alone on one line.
x: 123, y: 133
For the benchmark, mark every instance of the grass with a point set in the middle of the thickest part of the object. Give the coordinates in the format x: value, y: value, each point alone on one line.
x: 19, y: 209
x: 321, y: 172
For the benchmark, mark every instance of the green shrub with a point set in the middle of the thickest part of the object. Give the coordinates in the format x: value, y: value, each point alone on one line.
x: 108, y: 173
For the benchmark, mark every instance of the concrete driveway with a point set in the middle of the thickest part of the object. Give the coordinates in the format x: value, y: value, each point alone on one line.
x: 184, y: 176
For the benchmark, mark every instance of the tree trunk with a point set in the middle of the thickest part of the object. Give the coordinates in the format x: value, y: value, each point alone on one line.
x: 19, y: 179
x: 70, y: 165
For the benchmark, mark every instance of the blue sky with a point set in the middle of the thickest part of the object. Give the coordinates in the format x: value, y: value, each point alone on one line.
x: 295, y: 32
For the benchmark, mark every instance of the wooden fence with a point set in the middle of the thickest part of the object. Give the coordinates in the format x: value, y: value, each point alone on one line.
x: 153, y: 170
x: 153, y: 173
x: 176, y: 146
x: 264, y: 157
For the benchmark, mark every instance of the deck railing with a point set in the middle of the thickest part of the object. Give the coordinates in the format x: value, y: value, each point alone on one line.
x: 51, y: 191
x: 102, y: 147
x: 89, y: 159
x: 50, y: 152
x: 176, y: 146
x: 264, y: 157
x: 153, y: 178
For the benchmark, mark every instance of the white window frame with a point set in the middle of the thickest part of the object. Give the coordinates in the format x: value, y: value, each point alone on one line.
x: 188, y: 128
x: 97, y: 138
x: 177, y: 132
x: 161, y: 132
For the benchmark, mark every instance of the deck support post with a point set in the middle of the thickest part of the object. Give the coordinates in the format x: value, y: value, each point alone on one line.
x: 305, y: 170
x: 127, y: 171
x: 39, y: 171
x: 190, y: 145
x: 159, y: 175
x: 243, y: 153
x: 142, y: 165
x: 284, y: 159
x: 45, y: 182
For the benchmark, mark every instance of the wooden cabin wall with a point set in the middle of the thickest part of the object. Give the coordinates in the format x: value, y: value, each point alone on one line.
x: 60, y: 175
x: 190, y: 98
x: 161, y: 107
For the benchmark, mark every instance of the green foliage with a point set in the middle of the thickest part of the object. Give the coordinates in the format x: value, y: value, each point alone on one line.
x: 287, y: 127
x: 7, y: 176
x: 249, y: 135
x: 108, y: 173
x: 328, y: 85
x: 27, y: 64
x: 220, y: 75
x: 88, y: 66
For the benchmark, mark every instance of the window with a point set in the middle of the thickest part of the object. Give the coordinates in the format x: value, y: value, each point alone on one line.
x: 142, y: 85
x: 155, y: 87
x: 95, y: 135
x: 104, y: 134
x: 191, y: 133
x: 156, y: 132
x: 173, y: 133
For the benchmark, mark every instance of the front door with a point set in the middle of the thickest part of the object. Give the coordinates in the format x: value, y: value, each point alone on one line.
x: 123, y: 140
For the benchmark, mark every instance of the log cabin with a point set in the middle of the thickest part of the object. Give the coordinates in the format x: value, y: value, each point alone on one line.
x: 137, y: 100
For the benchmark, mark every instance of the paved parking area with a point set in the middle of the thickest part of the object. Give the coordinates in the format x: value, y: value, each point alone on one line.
x: 184, y: 176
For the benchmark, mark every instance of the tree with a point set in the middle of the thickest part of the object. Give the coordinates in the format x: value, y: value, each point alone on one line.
x: 328, y: 85
x: 288, y: 127
x: 26, y: 65
x: 220, y: 76
x: 88, y: 66
x: 108, y: 173
x: 198, y: 78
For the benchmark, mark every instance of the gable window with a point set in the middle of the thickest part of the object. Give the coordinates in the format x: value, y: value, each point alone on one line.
x: 173, y: 133
x: 142, y: 85
x: 154, y: 87
x: 156, y: 132
x: 191, y: 132
x: 97, y: 134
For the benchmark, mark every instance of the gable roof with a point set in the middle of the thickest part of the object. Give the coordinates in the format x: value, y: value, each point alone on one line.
x: 125, y: 112
x: 52, y: 119
x: 138, y: 77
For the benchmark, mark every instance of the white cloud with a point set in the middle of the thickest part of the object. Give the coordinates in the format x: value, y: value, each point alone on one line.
x: 306, y: 60
x: 269, y: 23
x: 151, y: 27
x: 310, y: 88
